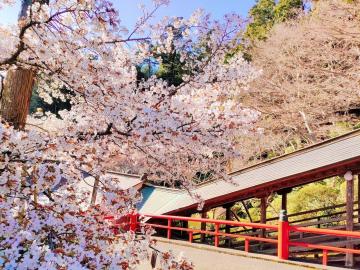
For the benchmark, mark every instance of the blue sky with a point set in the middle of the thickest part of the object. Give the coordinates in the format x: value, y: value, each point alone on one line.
x: 129, y: 9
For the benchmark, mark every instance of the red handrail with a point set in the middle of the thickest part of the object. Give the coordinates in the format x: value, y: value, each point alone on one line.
x: 215, y: 221
x: 216, y: 233
x: 325, y: 248
x: 325, y: 231
x: 283, y: 228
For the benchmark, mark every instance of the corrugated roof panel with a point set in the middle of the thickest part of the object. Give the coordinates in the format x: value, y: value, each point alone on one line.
x: 314, y: 159
x: 157, y: 200
x: 317, y: 156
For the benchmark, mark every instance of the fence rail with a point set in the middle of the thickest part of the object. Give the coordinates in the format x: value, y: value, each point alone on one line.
x: 283, y: 229
x: 216, y: 233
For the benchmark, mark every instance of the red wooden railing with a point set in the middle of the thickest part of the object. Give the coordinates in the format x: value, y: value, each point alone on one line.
x: 283, y: 229
x: 217, y: 223
x: 324, y: 248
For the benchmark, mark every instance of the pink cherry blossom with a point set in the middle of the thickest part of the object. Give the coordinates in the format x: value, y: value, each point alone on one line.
x: 166, y: 132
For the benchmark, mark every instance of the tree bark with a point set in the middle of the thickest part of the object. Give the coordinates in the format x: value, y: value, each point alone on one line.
x: 95, y: 190
x: 312, y: 136
x: 16, y: 92
x: 15, y: 97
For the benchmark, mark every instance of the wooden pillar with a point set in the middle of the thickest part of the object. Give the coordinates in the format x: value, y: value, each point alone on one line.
x: 203, y: 226
x: 349, y: 259
x: 283, y: 194
x: 263, y: 207
x: 284, y: 201
x: 358, y: 198
x: 227, y: 227
x: 185, y: 224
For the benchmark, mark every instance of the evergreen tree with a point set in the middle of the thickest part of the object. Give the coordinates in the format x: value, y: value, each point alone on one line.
x: 262, y: 15
x: 170, y: 68
x: 265, y: 13
x: 287, y: 9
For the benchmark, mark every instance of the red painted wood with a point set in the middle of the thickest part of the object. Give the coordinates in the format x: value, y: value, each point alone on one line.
x: 247, y: 245
x: 190, y: 237
x: 133, y: 222
x: 267, y: 240
x: 217, y: 225
x: 169, y: 229
x: 325, y: 231
x: 325, y: 257
x: 323, y: 247
x: 283, y: 240
x: 215, y: 221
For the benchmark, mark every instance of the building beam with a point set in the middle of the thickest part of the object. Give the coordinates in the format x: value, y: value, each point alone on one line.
x: 247, y: 211
x: 349, y: 259
x: 288, y: 182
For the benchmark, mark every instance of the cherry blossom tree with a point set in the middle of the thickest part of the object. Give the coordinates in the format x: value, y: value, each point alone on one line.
x: 168, y: 132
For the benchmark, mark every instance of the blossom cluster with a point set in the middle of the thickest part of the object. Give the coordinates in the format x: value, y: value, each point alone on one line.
x: 48, y: 219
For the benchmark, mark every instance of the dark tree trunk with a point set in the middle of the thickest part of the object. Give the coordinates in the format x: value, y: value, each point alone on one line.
x: 15, y: 97
x: 17, y: 89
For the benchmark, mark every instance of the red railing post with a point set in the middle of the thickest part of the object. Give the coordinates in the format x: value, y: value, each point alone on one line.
x: 247, y: 245
x: 325, y: 257
x: 190, y: 237
x: 169, y: 228
x: 283, y: 239
x: 217, y: 234
x: 133, y: 221
x: 283, y: 236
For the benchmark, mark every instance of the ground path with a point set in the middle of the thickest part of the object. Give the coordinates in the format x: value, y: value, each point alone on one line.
x: 211, y: 258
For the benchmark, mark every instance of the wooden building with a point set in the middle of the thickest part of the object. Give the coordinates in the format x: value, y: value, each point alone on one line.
x: 335, y: 157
